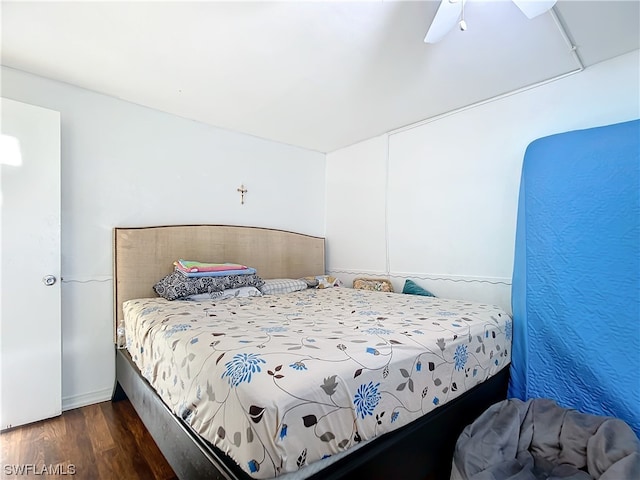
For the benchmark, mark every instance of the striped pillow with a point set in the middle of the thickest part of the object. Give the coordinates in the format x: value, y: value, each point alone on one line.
x: 279, y: 286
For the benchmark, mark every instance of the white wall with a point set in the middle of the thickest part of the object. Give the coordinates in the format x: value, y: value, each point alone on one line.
x: 445, y: 192
x: 126, y: 165
x: 355, y: 206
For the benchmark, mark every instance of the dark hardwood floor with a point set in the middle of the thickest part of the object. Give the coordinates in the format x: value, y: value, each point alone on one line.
x: 99, y: 442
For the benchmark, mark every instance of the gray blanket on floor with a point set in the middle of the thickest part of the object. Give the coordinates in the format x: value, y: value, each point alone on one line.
x: 537, y: 439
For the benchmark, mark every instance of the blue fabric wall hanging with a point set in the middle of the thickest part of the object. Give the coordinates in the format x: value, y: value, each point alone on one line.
x: 576, y: 280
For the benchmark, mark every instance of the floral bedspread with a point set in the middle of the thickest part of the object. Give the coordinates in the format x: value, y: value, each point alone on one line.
x: 280, y: 381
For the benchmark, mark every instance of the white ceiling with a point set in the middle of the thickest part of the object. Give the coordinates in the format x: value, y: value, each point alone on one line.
x: 319, y: 75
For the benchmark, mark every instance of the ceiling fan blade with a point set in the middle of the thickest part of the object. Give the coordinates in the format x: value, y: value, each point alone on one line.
x: 445, y: 19
x: 533, y: 8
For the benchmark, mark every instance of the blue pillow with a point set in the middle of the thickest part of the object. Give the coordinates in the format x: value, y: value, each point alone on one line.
x: 413, y: 288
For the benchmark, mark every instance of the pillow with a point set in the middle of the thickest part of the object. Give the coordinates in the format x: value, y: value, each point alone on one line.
x: 327, y: 281
x: 241, y: 292
x: 176, y: 285
x: 322, y: 281
x: 279, y: 286
x: 375, y: 284
x: 311, y: 282
x: 413, y: 288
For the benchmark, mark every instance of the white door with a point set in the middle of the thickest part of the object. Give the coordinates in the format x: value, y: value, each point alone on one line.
x: 30, y: 326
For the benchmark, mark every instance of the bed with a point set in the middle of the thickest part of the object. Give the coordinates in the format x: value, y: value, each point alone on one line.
x: 312, y: 383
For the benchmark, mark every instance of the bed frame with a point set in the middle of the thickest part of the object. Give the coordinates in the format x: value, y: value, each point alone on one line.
x: 142, y: 256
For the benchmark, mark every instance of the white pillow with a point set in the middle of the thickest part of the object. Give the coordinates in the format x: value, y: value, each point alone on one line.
x: 228, y: 293
x: 279, y: 286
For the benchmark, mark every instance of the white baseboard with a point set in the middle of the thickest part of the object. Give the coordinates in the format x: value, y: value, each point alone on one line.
x: 84, y: 399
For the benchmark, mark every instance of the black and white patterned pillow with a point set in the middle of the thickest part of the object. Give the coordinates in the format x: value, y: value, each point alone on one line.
x: 177, y: 285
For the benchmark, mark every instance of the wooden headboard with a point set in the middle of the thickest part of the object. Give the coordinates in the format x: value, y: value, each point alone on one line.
x: 144, y: 255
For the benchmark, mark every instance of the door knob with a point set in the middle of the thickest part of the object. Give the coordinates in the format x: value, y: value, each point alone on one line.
x: 49, y: 280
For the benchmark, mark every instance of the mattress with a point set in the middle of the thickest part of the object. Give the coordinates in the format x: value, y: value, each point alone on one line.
x: 280, y: 382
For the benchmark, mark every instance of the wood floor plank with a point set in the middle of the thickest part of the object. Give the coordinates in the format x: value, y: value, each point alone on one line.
x: 120, y: 427
x: 54, y: 445
x: 32, y: 436
x: 98, y: 430
x: 126, y: 428
x: 10, y: 442
x: 114, y: 463
x: 105, y: 441
x: 145, y: 444
x: 79, y: 444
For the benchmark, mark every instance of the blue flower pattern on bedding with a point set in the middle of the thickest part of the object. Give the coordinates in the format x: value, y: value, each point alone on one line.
x: 176, y: 328
x: 298, y: 366
x: 460, y: 357
x: 282, y: 381
x: 508, y: 329
x: 240, y: 368
x: 366, y: 399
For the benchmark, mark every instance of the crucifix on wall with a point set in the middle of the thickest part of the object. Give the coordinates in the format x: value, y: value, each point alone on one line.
x: 242, y: 191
